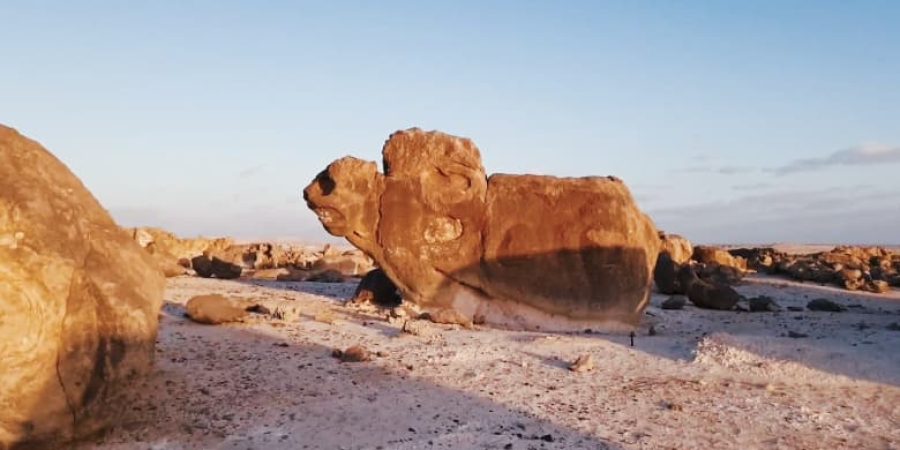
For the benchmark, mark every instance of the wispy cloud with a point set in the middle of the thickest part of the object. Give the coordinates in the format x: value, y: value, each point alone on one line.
x: 751, y: 186
x: 251, y: 171
x: 866, y: 154
x: 722, y: 170
x: 840, y: 214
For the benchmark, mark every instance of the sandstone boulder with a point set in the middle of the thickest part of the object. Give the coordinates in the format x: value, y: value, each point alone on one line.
x: 679, y: 249
x: 79, y: 302
x: 180, y: 248
x: 715, y: 255
x: 215, y: 309
x: 516, y: 250
x: 707, y: 295
x: 208, y: 266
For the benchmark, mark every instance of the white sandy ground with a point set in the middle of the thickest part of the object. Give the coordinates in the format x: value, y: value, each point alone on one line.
x: 707, y: 379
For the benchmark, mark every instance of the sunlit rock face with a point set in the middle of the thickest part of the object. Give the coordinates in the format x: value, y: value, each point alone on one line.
x: 79, y: 303
x: 521, y: 251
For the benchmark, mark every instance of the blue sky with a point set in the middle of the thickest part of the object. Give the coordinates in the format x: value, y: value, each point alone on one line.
x: 730, y: 121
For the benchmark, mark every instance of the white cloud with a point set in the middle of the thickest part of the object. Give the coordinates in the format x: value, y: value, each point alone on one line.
x: 866, y: 154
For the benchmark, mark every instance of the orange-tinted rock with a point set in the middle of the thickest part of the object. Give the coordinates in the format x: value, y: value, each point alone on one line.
x: 79, y: 302
x: 516, y: 250
x: 215, y: 309
x: 161, y: 241
x: 679, y: 249
x: 714, y: 255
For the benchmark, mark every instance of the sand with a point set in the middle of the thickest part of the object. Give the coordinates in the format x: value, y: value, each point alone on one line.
x: 705, y: 379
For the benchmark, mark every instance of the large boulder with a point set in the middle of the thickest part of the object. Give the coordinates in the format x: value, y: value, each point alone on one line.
x: 79, y: 302
x: 521, y: 251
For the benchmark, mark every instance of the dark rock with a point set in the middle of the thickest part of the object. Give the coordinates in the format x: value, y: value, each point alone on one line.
x: 674, y: 302
x: 378, y: 289
x: 665, y: 275
x: 707, y: 295
x: 763, y: 304
x: 207, y: 266
x: 822, y: 304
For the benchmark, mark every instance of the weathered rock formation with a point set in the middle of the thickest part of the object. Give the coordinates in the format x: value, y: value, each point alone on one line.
x: 513, y: 250
x: 679, y: 249
x: 873, y: 269
x: 79, y: 302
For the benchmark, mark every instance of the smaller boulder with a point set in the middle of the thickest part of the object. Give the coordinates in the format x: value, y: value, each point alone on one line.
x: 763, y: 304
x: 822, y: 304
x: 584, y: 363
x: 215, y: 309
x: 207, y: 266
x: 326, y: 276
x: 878, y: 286
x: 674, y: 302
x: 707, y: 295
x: 356, y: 353
x: 719, y: 274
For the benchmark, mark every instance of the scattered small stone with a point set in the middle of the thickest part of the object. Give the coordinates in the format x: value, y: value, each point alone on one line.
x: 763, y: 304
x: 325, y: 316
x: 584, y: 363
x: 419, y: 328
x: 795, y: 308
x: 671, y: 406
x: 547, y: 438
x: 822, y: 304
x: 357, y: 353
x: 894, y: 326
x: 795, y: 335
x: 651, y: 331
x: 674, y: 302
x: 281, y: 344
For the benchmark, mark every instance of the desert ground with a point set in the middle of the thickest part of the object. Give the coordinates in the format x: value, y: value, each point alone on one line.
x: 693, y: 378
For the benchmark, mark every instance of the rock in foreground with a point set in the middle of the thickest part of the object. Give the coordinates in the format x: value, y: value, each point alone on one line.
x: 521, y: 251
x: 78, y: 315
